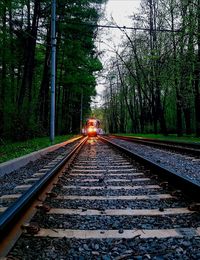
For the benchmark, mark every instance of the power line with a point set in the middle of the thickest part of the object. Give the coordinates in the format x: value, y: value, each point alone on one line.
x: 122, y: 27
x: 136, y: 28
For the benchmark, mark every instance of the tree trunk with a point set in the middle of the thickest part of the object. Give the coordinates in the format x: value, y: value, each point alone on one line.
x: 187, y: 115
x: 197, y: 76
x: 30, y: 45
x: 12, y: 67
x: 3, y: 74
x: 179, y: 129
x: 44, y: 88
x: 179, y: 126
x: 125, y: 94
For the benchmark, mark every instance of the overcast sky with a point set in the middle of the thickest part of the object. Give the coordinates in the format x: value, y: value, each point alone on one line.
x: 120, y: 10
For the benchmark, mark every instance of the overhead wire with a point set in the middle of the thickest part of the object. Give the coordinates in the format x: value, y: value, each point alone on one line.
x: 124, y: 27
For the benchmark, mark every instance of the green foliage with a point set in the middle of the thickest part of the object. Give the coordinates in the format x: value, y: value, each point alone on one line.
x: 98, y: 113
x: 25, y: 62
x: 154, y: 81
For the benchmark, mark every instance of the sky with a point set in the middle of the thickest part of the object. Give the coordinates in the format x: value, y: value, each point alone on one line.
x: 120, y: 10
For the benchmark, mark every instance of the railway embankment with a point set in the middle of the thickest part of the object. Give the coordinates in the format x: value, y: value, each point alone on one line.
x: 45, y: 153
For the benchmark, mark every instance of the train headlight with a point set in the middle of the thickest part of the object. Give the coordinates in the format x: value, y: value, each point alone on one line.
x: 92, y: 129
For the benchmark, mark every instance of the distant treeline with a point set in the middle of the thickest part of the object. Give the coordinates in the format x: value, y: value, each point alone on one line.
x: 154, y: 80
x: 25, y: 46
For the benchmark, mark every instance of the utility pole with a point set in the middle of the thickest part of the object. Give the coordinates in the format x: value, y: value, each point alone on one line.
x: 53, y: 69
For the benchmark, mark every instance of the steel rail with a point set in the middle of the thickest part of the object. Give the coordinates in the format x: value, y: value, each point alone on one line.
x: 189, y: 187
x: 190, y: 148
x: 10, y: 216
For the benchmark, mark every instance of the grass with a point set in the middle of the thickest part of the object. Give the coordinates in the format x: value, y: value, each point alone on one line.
x: 170, y: 137
x: 13, y: 150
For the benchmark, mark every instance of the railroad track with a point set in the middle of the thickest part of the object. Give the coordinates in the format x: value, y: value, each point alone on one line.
x: 104, y: 205
x: 180, y: 147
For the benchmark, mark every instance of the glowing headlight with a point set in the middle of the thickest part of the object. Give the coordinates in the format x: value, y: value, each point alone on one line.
x: 91, y: 129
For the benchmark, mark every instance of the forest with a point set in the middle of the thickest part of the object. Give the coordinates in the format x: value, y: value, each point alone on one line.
x: 25, y: 59
x: 153, y: 80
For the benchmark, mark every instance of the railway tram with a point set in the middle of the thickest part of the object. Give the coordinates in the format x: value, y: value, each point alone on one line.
x: 91, y: 127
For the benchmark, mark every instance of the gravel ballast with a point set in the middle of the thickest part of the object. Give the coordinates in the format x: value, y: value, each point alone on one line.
x: 18, y: 177
x: 107, y: 249
x: 186, y: 166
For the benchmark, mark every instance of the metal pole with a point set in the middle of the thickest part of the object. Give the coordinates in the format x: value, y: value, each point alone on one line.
x: 53, y: 69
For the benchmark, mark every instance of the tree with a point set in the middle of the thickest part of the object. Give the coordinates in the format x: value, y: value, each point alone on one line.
x: 25, y: 51
x: 158, y: 68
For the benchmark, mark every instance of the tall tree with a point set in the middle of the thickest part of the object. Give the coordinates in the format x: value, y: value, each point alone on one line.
x: 24, y: 74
